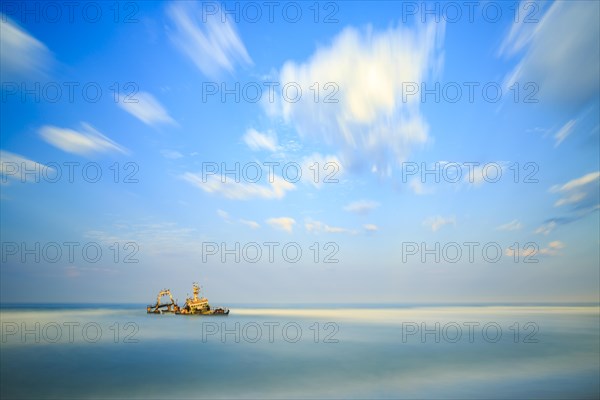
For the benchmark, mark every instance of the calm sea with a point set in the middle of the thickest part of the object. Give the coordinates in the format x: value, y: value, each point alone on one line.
x: 400, y: 351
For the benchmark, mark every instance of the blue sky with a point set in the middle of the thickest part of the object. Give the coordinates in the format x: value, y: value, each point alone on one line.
x: 137, y: 96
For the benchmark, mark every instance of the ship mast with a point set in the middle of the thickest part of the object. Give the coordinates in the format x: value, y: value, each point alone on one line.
x: 196, y: 291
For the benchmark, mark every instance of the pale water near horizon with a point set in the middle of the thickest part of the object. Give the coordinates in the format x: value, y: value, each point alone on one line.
x: 459, y: 351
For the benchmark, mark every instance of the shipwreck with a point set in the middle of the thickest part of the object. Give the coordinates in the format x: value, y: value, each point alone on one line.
x: 195, y: 305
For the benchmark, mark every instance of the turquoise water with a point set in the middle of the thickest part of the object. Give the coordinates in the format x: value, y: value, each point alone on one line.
x: 96, y: 351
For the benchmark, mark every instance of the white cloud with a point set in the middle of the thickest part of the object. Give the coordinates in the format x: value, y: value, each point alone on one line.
x: 546, y: 228
x: 371, y: 227
x: 476, y: 178
x: 14, y: 166
x: 318, y: 169
x: 85, y: 142
x: 259, y: 141
x: 318, y: 227
x: 22, y: 54
x: 571, y: 199
x: 361, y: 207
x: 282, y: 223
x: 520, y: 34
x: 578, y: 182
x: 487, y: 172
x: 552, y: 249
x: 513, y: 225
x: 418, y: 187
x: 171, y: 154
x: 563, y: 132
x: 561, y: 52
x: 437, y: 222
x: 577, y: 189
x: 213, y: 45
x: 528, y: 251
x: 370, y: 123
x: 251, y: 224
x: 227, y: 218
x: 224, y: 215
x: 146, y: 108
x: 240, y: 190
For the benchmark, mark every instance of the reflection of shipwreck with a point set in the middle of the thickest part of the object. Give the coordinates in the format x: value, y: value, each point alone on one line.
x: 193, y: 306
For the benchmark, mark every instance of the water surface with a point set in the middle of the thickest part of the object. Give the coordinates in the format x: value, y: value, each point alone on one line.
x: 462, y: 351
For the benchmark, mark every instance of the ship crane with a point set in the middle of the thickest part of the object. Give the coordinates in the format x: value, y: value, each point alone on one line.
x: 159, y: 307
